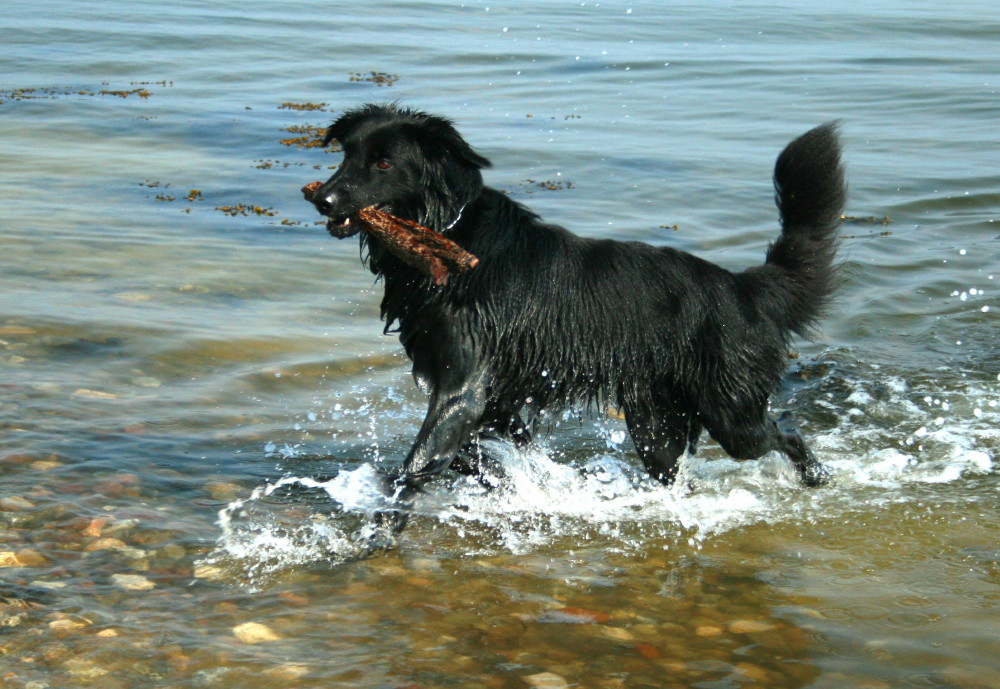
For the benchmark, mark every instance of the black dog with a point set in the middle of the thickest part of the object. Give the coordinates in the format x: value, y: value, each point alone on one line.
x: 549, y: 319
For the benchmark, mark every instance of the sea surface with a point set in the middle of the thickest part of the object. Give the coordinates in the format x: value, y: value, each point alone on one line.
x: 196, y: 395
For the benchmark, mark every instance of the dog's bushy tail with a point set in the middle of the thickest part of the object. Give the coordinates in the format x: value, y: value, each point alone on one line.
x: 810, y: 193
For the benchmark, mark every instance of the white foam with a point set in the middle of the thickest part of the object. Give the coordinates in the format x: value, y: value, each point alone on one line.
x: 890, y: 434
x: 261, y: 536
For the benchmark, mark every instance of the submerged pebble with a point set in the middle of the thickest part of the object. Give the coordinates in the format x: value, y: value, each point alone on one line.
x: 172, y: 551
x: 648, y: 650
x: 105, y: 544
x: 95, y: 394
x: 583, y: 615
x: 754, y: 672
x: 132, y: 582
x: 545, y: 680
x: 288, y: 672
x: 9, y: 559
x: 15, y: 503
x: 208, y: 572
x: 66, y: 625
x: 83, y: 668
x: 17, y: 330
x: 95, y: 527
x: 616, y: 633
x: 254, y: 633
x: 147, y: 382
x: 749, y: 626
x: 119, y: 526
x: 31, y: 558
x: 221, y: 490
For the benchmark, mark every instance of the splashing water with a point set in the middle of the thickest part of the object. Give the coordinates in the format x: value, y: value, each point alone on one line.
x: 887, y: 437
x: 274, y: 528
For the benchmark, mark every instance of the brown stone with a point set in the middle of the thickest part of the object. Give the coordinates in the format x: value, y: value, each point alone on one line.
x: 31, y: 558
x: 647, y: 650
x: 15, y: 503
x: 95, y: 526
x: 749, y: 626
x: 106, y: 544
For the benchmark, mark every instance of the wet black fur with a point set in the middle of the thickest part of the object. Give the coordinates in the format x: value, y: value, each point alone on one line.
x: 550, y: 319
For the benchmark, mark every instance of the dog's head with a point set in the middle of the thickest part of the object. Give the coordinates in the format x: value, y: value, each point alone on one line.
x: 402, y: 161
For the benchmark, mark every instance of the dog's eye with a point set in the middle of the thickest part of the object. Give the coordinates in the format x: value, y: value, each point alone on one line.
x: 383, y: 164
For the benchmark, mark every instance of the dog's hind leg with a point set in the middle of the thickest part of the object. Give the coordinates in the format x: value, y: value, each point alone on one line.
x: 660, y: 434
x: 749, y: 440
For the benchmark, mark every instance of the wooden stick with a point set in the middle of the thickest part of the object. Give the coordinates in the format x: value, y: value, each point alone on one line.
x: 428, y: 251
x: 309, y: 190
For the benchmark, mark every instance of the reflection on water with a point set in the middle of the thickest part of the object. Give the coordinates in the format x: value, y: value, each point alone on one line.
x: 196, y: 398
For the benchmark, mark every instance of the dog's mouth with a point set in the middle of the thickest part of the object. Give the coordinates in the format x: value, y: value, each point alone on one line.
x: 343, y: 226
x: 340, y: 226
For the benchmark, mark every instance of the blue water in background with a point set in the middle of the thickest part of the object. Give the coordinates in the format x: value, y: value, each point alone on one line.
x: 162, y: 338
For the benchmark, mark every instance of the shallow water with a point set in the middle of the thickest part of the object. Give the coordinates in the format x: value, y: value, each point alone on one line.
x: 196, y: 390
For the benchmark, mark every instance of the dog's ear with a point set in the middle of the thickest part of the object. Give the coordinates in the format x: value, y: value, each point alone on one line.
x: 345, y: 124
x: 450, y: 172
x: 460, y: 149
x: 439, y: 139
x: 342, y: 126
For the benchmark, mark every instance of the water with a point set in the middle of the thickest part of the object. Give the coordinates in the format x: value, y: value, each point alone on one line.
x: 195, y: 401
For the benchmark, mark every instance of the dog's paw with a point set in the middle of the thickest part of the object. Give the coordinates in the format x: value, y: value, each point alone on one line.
x: 391, y: 522
x: 815, y: 475
x: 379, y: 535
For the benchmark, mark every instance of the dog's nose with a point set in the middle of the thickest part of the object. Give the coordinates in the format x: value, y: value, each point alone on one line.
x: 324, y: 201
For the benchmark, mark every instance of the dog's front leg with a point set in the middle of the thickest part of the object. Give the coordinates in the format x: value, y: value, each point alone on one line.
x: 457, y: 402
x: 453, y: 415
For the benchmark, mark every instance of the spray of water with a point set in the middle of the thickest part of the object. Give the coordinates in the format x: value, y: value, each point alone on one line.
x: 886, y: 436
